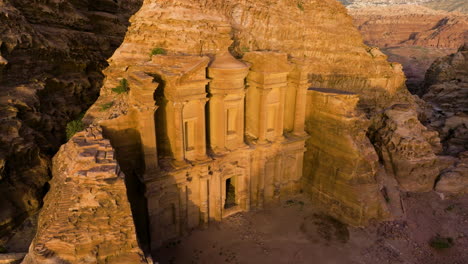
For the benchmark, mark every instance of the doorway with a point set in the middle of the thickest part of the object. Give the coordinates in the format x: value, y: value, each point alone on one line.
x: 230, y: 193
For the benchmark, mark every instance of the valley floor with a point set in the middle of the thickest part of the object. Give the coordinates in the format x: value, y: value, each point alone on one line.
x: 298, y: 233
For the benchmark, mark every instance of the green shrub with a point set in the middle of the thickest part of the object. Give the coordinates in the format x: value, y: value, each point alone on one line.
x: 439, y: 242
x: 106, y: 106
x: 300, y: 6
x: 450, y: 208
x: 122, y: 87
x: 74, y: 126
x: 245, y: 49
x: 3, y: 250
x: 158, y: 51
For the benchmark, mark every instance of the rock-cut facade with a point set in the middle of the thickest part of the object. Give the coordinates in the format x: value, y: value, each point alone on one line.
x: 218, y: 135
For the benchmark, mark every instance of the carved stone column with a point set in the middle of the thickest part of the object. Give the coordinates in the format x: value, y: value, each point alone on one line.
x: 147, y: 128
x: 301, y: 82
x: 262, y: 126
x: 280, y: 117
x: 179, y: 132
x: 204, y: 217
x: 201, y: 138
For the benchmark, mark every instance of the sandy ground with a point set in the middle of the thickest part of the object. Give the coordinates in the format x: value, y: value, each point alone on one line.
x: 298, y: 233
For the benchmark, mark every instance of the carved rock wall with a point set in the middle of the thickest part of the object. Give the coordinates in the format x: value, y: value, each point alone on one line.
x: 312, y: 38
x: 86, y: 216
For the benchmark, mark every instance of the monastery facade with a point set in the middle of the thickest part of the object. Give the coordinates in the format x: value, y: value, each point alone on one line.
x: 218, y: 135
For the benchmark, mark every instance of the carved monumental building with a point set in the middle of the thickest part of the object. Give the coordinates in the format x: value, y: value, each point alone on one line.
x: 218, y: 135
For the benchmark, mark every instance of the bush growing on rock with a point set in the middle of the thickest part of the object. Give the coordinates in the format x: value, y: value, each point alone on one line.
x: 106, y: 106
x: 439, y: 242
x: 158, y: 51
x: 122, y: 87
x: 74, y: 126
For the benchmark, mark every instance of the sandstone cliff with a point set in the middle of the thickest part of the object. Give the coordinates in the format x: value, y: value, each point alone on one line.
x: 51, y: 57
x: 312, y: 38
x: 86, y: 216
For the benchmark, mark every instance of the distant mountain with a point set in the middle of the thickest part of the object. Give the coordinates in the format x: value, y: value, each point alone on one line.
x: 447, y: 5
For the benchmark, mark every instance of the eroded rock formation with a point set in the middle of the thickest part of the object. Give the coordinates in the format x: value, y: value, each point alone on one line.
x: 340, y: 159
x: 446, y: 91
x: 444, y: 108
x: 51, y: 57
x: 407, y: 148
x: 454, y: 180
x: 86, y: 216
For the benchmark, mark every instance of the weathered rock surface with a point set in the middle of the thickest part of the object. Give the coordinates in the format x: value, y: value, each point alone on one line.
x: 86, y: 216
x: 407, y: 148
x: 454, y: 180
x: 446, y: 92
x: 51, y: 57
x: 340, y: 162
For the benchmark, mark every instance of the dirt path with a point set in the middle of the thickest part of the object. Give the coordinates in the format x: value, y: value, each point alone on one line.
x: 298, y: 233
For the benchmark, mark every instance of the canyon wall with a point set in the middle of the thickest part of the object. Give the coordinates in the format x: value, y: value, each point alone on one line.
x: 413, y: 33
x: 410, y: 25
x: 86, y: 216
x: 51, y: 57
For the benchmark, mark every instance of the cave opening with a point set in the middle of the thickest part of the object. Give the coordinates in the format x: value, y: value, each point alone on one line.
x: 230, y: 194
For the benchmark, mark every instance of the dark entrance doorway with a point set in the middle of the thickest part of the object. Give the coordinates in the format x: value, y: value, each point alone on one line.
x: 230, y: 194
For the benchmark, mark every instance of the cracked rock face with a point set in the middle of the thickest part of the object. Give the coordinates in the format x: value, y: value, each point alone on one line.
x: 454, y: 180
x: 86, y: 216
